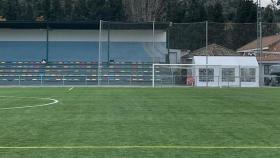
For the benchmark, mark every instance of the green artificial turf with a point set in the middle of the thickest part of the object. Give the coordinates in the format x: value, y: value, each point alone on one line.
x: 104, y: 117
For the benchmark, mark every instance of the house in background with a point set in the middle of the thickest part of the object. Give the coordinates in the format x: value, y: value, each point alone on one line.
x: 212, y: 50
x: 270, y: 56
x: 267, y: 60
x: 270, y: 44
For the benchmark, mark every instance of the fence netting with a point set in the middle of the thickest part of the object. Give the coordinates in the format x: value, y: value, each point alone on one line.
x: 123, y: 53
x: 166, y: 75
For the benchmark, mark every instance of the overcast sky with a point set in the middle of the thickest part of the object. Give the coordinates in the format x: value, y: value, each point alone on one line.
x: 266, y: 2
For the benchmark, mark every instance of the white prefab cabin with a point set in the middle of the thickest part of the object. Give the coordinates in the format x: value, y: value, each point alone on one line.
x: 226, y: 71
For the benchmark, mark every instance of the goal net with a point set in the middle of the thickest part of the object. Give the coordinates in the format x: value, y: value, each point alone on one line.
x: 190, y: 75
x: 173, y: 75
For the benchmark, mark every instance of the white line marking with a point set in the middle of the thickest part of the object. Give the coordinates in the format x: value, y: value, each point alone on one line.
x: 71, y: 89
x: 143, y: 147
x: 53, y: 101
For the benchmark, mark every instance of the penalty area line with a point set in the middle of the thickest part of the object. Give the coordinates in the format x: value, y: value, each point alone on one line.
x: 143, y: 147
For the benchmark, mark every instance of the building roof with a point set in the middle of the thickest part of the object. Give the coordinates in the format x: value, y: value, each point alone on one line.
x: 266, y: 42
x: 88, y: 25
x: 269, y: 57
x: 213, y: 50
x: 226, y: 60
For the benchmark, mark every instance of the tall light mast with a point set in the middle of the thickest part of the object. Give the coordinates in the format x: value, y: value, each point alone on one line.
x: 259, y: 28
x: 259, y: 43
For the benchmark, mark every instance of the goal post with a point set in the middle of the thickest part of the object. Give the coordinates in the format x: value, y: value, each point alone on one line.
x: 173, y: 75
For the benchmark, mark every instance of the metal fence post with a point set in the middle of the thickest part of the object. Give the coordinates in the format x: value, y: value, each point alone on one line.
x: 153, y: 77
x: 99, y: 53
x: 240, y: 77
x: 108, y: 80
x: 19, y: 80
x: 41, y: 80
x: 63, y: 80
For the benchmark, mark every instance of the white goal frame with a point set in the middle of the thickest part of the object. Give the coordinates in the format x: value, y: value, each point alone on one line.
x: 154, y: 65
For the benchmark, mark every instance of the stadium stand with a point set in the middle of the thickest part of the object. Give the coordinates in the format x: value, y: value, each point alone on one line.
x: 74, y: 73
x: 71, y: 51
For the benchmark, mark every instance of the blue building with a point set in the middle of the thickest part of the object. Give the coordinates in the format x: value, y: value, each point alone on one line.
x: 35, y: 41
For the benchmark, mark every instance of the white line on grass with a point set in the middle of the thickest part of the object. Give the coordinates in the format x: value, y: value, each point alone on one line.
x: 53, y: 101
x: 70, y: 89
x: 144, y: 147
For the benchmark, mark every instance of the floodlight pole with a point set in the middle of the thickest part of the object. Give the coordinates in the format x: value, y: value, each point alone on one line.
x: 259, y: 36
x: 206, y: 48
x: 109, y: 41
x: 154, y: 34
x: 99, y: 52
x: 168, y: 39
x: 47, y: 43
x: 206, y: 51
x: 153, y: 75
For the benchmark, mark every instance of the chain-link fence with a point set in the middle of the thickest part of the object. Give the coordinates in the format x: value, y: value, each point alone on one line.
x: 133, y: 42
x: 124, y: 52
x: 229, y: 39
x: 170, y: 75
x: 74, y: 80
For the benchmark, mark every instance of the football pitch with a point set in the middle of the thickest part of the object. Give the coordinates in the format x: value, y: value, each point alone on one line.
x: 139, y: 123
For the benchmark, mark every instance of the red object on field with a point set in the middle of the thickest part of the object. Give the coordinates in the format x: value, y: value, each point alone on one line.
x: 190, y: 81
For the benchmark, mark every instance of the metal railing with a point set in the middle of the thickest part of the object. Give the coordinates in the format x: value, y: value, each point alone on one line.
x: 75, y: 80
x: 133, y: 80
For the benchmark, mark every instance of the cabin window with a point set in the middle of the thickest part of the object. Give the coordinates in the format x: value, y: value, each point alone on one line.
x: 228, y: 75
x: 248, y: 75
x: 206, y: 75
x: 266, y: 69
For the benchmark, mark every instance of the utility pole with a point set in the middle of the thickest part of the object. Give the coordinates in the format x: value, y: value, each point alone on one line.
x: 100, y: 53
x: 259, y: 27
x: 47, y: 43
x: 109, y: 41
x: 207, y: 55
x: 259, y: 36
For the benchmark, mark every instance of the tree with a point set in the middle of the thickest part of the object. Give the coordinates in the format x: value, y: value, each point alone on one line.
x: 56, y: 12
x: 13, y: 10
x: 195, y: 11
x: 2, y: 8
x: 215, y: 12
x: 110, y: 10
x: 268, y: 14
x: 246, y: 12
x: 144, y: 10
x: 175, y: 11
x: 114, y: 10
x: 29, y: 14
x: 68, y: 10
x: 81, y: 11
x: 46, y: 5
